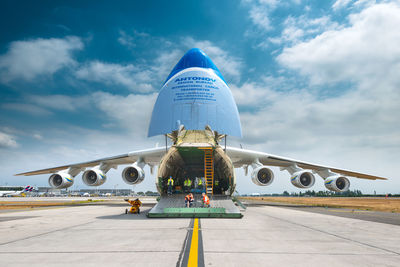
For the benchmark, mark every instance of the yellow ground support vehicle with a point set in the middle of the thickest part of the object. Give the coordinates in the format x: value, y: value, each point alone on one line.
x: 135, y: 206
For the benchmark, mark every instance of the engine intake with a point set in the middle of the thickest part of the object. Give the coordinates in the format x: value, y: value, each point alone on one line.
x: 61, y: 180
x: 262, y: 176
x: 133, y: 175
x: 337, y: 183
x: 303, y: 179
x: 94, y: 177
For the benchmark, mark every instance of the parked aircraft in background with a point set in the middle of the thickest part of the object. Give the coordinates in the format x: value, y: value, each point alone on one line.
x: 195, y: 109
x: 11, y: 191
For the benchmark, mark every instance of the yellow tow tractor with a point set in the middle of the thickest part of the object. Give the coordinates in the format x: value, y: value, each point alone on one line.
x: 135, y: 206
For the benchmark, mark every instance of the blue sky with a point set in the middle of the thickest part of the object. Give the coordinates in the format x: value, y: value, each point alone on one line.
x: 313, y: 80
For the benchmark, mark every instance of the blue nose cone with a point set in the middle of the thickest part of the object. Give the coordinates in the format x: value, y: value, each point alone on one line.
x: 195, y: 57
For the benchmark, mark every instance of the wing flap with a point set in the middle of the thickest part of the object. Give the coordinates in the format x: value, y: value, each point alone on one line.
x: 242, y: 157
x: 149, y: 156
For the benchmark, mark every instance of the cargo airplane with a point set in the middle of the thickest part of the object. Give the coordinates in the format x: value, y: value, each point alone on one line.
x: 195, y: 109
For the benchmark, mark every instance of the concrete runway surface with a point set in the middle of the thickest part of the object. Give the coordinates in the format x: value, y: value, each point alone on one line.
x: 367, y: 215
x: 102, y: 235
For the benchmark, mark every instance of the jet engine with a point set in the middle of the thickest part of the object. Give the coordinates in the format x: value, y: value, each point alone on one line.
x: 94, y: 177
x: 262, y: 176
x: 61, y: 180
x: 337, y: 183
x: 303, y: 179
x: 133, y: 175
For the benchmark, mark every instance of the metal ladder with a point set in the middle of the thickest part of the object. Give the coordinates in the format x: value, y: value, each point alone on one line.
x: 209, y: 170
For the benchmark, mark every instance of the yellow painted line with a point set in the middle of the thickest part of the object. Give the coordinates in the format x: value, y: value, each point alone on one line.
x: 194, y: 245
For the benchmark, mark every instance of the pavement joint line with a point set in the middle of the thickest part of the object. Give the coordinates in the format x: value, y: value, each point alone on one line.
x: 201, y: 247
x: 366, y: 215
x: 335, y: 235
x: 88, y: 252
x: 126, y: 229
x: 184, y: 255
x: 42, y: 234
x: 298, y: 253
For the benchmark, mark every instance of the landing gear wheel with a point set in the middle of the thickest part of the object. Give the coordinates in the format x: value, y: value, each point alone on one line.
x: 126, y: 211
x: 138, y: 211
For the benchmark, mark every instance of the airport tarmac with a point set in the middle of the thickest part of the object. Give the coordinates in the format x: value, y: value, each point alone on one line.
x: 366, y: 215
x: 103, y: 235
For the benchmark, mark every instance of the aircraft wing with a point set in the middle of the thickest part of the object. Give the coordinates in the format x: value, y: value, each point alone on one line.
x: 244, y: 157
x: 150, y: 156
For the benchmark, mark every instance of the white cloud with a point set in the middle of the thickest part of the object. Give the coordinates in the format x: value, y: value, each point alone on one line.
x: 296, y: 29
x: 271, y: 3
x: 71, y: 144
x: 366, y: 3
x: 353, y: 119
x: 259, y: 17
x: 126, y: 39
x: 130, y: 112
x: 164, y: 63
x: 365, y: 52
x: 259, y: 12
x: 252, y: 95
x: 228, y: 64
x: 129, y: 76
x: 59, y: 102
x: 339, y: 4
x: 129, y: 40
x: 7, y: 141
x: 27, y: 108
x: 357, y: 129
x: 29, y: 59
x: 68, y: 143
x: 37, y: 136
x: 142, y: 78
x: 44, y: 105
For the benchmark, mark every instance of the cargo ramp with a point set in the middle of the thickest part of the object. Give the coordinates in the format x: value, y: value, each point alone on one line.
x: 174, y: 207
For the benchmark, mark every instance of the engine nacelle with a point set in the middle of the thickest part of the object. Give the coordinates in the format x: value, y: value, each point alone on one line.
x: 337, y: 183
x: 133, y: 175
x: 61, y: 180
x: 303, y: 179
x: 94, y: 177
x: 262, y: 176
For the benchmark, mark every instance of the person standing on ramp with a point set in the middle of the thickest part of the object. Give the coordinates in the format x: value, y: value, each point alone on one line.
x: 170, y: 184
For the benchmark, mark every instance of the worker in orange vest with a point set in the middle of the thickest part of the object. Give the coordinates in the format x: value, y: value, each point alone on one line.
x: 187, y: 197
x: 189, y: 200
x: 206, y: 200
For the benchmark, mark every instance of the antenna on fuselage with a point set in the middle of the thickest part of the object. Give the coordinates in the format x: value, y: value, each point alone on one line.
x: 166, y: 143
x: 225, y: 142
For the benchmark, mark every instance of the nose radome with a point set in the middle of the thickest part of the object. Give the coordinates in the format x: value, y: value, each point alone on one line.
x: 195, y: 57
